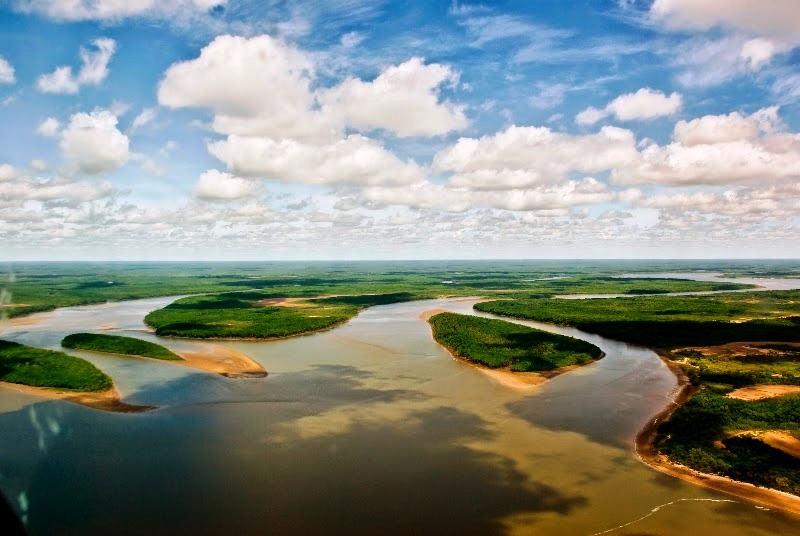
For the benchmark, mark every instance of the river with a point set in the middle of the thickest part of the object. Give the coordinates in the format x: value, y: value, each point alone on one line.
x: 371, y: 428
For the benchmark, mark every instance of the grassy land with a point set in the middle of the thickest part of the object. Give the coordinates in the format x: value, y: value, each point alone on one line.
x: 114, y: 344
x: 29, y: 287
x: 495, y: 343
x: 45, y: 368
x: 670, y: 321
x: 241, y: 315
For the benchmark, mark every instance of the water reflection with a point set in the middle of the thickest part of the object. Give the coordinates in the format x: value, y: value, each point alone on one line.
x: 369, y: 428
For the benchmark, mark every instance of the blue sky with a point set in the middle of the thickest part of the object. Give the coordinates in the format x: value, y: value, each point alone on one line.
x: 243, y: 129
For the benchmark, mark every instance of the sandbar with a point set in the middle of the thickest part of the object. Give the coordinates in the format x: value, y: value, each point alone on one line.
x: 220, y: 360
x: 107, y: 400
x: 761, y: 392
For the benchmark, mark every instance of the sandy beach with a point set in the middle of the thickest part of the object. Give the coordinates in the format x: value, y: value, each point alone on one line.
x: 762, y: 392
x: 648, y: 454
x: 108, y: 400
x: 220, y: 360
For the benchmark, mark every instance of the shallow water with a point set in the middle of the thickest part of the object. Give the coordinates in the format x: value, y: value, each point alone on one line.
x: 371, y: 428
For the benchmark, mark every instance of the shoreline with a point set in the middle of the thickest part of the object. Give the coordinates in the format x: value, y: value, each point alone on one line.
x: 647, y: 453
x: 518, y: 381
x: 108, y: 400
x: 230, y: 363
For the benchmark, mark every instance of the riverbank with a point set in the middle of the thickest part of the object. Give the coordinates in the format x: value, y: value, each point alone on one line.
x: 647, y: 452
x: 108, y: 400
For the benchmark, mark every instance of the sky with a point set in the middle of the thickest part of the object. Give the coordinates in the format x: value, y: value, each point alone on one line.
x: 370, y: 129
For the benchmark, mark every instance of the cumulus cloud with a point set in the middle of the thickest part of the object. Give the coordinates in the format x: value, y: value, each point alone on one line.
x: 256, y: 87
x: 48, y: 127
x: 644, y: 105
x: 733, y: 127
x: 94, y: 69
x: 218, y: 186
x: 719, y: 150
x: 7, y: 172
x: 353, y: 160
x: 279, y: 128
x: 526, y: 156
x: 771, y: 18
x: 403, y: 99
x: 112, y: 10
x: 6, y: 72
x: 93, y: 143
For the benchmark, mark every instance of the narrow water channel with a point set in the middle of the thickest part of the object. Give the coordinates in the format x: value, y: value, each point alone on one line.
x: 371, y: 428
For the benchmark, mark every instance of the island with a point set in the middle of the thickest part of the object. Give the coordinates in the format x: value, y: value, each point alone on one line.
x: 497, y: 344
x: 116, y: 344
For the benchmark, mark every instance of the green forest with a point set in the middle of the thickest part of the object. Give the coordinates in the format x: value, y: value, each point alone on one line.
x: 496, y: 343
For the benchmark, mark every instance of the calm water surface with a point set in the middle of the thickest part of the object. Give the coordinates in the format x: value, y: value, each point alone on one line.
x: 371, y: 428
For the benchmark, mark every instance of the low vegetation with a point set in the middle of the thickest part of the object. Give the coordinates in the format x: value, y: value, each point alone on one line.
x: 704, y: 434
x: 32, y: 287
x: 669, y: 321
x: 115, y: 344
x: 495, y: 343
x: 249, y: 315
x: 44, y: 368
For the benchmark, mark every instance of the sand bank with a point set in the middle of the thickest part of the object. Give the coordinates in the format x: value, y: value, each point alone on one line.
x: 108, y: 400
x: 647, y: 453
x: 761, y: 392
x: 220, y: 360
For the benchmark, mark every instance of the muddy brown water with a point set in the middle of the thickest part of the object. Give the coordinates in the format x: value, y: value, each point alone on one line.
x: 371, y: 428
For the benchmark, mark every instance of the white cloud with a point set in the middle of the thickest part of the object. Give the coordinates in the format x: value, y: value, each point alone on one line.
x: 6, y: 72
x: 758, y: 52
x: 707, y: 62
x: 215, y: 185
x: 403, y: 99
x: 48, y: 127
x: 93, y: 143
x: 771, y: 18
x: 151, y: 167
x: 353, y: 160
x: 256, y: 87
x: 38, y: 164
x: 525, y: 156
x: 146, y: 117
x: 719, y: 150
x: 549, y: 96
x: 726, y: 128
x: 590, y: 116
x: 94, y: 69
x: 233, y: 76
x: 7, y: 172
x: 111, y: 10
x: 449, y: 198
x: 644, y: 105
x: 54, y: 190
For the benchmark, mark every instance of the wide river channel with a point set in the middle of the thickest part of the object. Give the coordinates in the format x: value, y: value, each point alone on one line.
x: 370, y: 428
